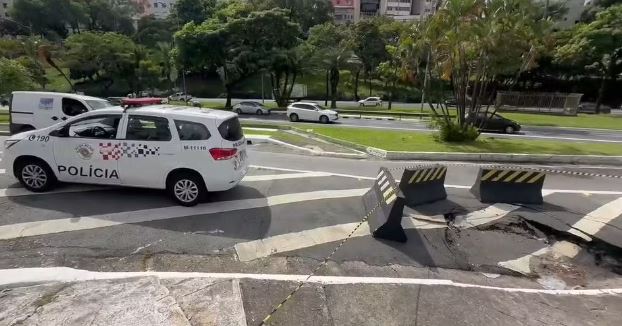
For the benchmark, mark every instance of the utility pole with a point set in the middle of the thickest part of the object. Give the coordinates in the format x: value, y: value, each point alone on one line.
x: 262, y: 96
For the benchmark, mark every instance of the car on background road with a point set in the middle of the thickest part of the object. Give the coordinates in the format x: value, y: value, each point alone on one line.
x: 142, y: 101
x: 250, y: 107
x: 309, y: 111
x: 35, y: 110
x: 590, y: 108
x: 371, y: 101
x: 494, y: 122
x: 180, y: 97
x: 185, y: 150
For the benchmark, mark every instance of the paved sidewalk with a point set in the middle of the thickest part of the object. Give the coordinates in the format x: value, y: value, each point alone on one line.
x: 249, y: 298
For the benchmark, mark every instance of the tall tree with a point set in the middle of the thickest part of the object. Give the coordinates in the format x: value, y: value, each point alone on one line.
x: 150, y: 31
x: 307, y: 13
x: 110, y: 15
x: 48, y: 18
x: 473, y: 42
x: 13, y: 77
x: 104, y: 57
x: 333, y: 51
x: 237, y: 49
x: 597, y: 46
x: 196, y: 11
x: 369, y: 45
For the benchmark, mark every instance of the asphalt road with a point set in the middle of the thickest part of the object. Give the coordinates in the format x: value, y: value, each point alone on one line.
x: 292, y: 211
x: 528, y: 132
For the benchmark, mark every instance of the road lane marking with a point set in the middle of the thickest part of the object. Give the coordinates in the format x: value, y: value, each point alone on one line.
x: 2, y: 171
x: 544, y: 191
x: 558, y: 249
x: 67, y: 274
x: 265, y: 247
x: 270, y: 177
x: 594, y: 221
x: 27, y: 229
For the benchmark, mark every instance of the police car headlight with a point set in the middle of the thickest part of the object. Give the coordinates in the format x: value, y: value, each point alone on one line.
x: 10, y: 142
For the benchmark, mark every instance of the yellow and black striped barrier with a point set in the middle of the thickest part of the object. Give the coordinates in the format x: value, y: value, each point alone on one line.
x: 509, y: 186
x: 424, y: 184
x: 385, y: 221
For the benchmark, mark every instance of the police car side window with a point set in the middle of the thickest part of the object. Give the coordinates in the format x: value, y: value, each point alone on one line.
x: 72, y: 107
x: 100, y: 127
x: 188, y: 130
x: 147, y: 128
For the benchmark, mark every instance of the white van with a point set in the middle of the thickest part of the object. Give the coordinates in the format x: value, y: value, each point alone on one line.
x: 36, y: 110
x: 188, y: 151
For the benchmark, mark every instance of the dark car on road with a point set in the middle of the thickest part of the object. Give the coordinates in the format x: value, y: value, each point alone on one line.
x: 494, y: 122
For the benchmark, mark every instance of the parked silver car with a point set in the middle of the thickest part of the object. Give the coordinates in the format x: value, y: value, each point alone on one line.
x: 250, y: 107
x: 180, y: 97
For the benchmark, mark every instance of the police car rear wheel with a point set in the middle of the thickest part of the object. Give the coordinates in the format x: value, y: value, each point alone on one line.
x: 187, y: 189
x: 36, y: 176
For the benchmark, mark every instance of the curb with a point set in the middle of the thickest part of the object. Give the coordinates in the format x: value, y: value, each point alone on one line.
x: 371, y: 117
x: 262, y: 139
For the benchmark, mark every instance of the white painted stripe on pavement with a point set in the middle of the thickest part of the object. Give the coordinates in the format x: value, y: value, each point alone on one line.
x: 544, y: 191
x: 269, y: 177
x: 66, y: 274
x: 523, y: 264
x: 308, y: 238
x: 26, y: 229
x: 594, y: 221
x: 2, y: 171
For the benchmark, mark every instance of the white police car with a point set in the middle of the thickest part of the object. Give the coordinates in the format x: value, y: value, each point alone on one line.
x: 187, y: 151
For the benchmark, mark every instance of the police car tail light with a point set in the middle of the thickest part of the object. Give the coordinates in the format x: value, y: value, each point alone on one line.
x: 223, y: 153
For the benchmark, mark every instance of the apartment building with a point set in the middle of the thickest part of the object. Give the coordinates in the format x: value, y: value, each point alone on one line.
x: 407, y: 9
x: 346, y: 11
x: 158, y: 8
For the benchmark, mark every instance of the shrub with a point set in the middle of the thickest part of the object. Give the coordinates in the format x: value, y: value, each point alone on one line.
x: 451, y: 131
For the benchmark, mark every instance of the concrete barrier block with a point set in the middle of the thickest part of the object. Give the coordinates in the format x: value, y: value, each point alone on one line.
x: 424, y: 185
x: 508, y: 186
x: 387, y: 202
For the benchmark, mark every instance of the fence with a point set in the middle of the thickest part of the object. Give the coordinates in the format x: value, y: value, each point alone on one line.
x: 549, y: 103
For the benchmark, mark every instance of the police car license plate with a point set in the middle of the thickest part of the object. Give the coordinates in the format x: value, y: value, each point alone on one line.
x: 239, y: 159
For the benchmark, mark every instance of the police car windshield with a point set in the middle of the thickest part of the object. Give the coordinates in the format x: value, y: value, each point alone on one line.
x: 98, y: 104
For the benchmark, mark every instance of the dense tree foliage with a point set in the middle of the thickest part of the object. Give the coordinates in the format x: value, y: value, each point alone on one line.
x: 238, y: 48
x: 598, y: 47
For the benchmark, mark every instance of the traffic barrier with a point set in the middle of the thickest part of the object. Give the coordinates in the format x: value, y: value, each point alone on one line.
x: 386, y: 203
x: 508, y: 186
x: 423, y: 184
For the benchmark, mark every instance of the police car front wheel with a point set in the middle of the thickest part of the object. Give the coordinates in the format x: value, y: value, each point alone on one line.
x: 187, y: 189
x: 36, y: 176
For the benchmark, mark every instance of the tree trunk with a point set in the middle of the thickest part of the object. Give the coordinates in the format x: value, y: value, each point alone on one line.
x: 228, y: 89
x: 369, y: 81
x: 356, y: 85
x: 601, y: 93
x: 326, y: 95
x: 291, y: 87
x: 334, y: 82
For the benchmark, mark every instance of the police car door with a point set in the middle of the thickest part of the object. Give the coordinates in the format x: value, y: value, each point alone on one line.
x: 148, y: 151
x: 84, y: 150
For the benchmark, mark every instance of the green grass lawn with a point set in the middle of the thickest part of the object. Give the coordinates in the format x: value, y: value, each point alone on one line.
x: 602, y: 121
x: 4, y: 118
x: 248, y: 132
x: 424, y: 142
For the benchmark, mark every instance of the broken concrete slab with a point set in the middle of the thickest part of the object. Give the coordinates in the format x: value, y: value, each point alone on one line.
x: 137, y: 301
x: 209, y: 302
